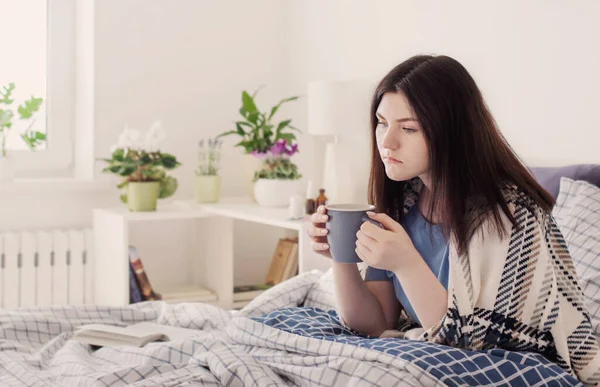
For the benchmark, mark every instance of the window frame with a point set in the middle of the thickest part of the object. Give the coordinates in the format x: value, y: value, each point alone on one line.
x: 57, y: 159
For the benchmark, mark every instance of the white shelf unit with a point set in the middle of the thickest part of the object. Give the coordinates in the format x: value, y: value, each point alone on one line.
x: 213, y: 237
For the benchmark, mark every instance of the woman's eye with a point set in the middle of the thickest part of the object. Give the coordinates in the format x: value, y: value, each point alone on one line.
x: 409, y: 130
x: 380, y: 123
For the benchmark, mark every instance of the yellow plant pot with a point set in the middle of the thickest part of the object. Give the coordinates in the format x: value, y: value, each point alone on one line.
x: 208, y: 188
x: 142, y: 196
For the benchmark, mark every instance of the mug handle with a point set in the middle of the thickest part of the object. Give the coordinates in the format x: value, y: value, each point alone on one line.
x: 366, y: 218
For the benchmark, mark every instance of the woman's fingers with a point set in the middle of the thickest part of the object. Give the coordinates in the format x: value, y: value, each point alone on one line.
x: 318, y: 246
x: 317, y: 231
x: 366, y: 240
x: 319, y: 219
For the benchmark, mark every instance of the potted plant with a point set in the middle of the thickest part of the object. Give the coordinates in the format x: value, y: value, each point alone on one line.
x: 278, y: 178
x: 143, y: 169
x: 32, y: 138
x: 208, y: 181
x: 258, y: 132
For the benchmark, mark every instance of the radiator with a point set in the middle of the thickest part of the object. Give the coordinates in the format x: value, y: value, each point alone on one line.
x: 46, y: 268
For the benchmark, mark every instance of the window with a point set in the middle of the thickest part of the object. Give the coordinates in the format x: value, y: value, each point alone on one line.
x: 38, y: 57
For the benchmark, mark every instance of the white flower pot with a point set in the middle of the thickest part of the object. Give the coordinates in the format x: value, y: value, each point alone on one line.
x: 7, y: 169
x: 250, y: 164
x: 276, y: 192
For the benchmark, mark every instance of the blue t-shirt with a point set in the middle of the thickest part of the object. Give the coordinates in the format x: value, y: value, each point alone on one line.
x: 429, y: 241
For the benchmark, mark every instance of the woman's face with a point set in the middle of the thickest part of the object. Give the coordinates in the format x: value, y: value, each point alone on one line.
x: 400, y: 139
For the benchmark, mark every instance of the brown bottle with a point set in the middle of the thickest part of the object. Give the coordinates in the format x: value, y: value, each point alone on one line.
x: 311, y: 206
x: 321, y: 199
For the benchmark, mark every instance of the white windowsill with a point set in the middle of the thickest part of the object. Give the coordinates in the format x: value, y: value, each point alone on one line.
x: 56, y: 185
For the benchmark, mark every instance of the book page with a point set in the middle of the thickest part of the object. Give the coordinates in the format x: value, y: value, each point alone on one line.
x: 173, y: 333
x: 122, y: 331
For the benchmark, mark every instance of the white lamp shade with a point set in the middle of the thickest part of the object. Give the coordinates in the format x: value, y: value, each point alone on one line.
x: 339, y: 108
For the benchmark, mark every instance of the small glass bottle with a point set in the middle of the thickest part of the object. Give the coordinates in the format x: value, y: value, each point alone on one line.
x: 321, y: 199
x: 310, y: 199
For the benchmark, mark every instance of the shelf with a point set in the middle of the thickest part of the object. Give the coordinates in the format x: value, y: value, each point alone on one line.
x: 244, y: 209
x: 186, y: 291
x: 235, y: 208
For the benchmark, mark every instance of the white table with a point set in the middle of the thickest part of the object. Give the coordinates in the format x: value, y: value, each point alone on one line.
x: 214, y: 235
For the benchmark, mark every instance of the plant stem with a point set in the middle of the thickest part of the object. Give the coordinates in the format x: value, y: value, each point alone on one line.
x: 3, y: 144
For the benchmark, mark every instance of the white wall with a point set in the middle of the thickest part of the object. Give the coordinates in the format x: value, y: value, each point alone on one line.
x: 536, y: 61
x: 185, y: 62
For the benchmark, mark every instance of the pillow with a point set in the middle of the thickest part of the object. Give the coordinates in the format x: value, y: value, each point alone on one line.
x: 549, y: 177
x: 577, y: 213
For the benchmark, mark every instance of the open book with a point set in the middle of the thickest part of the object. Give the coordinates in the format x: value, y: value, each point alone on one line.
x: 136, y: 335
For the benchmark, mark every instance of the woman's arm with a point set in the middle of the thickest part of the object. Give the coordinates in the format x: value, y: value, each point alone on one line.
x: 367, y: 307
x: 426, y: 294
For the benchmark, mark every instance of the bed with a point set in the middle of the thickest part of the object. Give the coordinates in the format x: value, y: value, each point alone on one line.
x: 289, y: 335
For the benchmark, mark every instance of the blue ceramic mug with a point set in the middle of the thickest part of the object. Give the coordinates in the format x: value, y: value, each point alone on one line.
x: 343, y: 224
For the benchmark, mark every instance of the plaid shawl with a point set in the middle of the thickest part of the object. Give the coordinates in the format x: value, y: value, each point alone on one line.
x: 519, y: 293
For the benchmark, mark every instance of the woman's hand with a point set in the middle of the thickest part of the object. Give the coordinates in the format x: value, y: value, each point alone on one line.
x: 318, y: 232
x: 386, y: 249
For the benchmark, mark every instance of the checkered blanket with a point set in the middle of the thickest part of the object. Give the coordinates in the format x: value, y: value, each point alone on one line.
x: 278, y: 339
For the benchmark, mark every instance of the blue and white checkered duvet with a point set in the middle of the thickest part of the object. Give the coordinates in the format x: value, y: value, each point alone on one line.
x: 454, y: 367
x: 283, y: 338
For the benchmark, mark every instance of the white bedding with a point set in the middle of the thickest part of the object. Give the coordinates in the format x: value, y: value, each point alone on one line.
x: 230, y: 349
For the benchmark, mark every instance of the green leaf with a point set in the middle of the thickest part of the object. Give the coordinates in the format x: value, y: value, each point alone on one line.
x: 5, y: 117
x: 282, y: 125
x: 294, y: 128
x: 169, y: 161
x: 247, y: 124
x: 29, y: 107
x: 123, y: 198
x: 168, y: 186
x: 33, y: 139
x: 248, y: 103
x: 118, y: 155
x: 126, y: 170
x: 7, y: 93
x: 256, y: 92
x: 253, y: 117
x: 240, y: 131
x: 123, y: 184
x: 289, y: 137
x: 276, y: 107
x: 227, y: 133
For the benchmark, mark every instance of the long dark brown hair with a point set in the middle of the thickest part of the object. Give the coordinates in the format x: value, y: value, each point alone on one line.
x: 470, y: 161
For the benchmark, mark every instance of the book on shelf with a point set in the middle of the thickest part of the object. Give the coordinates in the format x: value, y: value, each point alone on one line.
x: 135, y: 294
x: 188, y: 293
x: 148, y: 293
x: 284, y: 263
x: 248, y: 292
x: 136, y: 335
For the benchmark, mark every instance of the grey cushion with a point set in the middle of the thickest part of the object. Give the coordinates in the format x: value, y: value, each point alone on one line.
x: 577, y: 213
x: 549, y: 177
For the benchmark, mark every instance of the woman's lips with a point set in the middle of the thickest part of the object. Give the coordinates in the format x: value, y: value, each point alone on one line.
x: 391, y: 160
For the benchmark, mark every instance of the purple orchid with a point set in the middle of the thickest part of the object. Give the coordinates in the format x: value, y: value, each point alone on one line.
x: 278, y: 148
x: 292, y: 150
x: 281, y: 148
x: 259, y: 155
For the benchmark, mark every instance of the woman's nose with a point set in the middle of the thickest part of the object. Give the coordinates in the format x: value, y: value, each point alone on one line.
x: 390, y: 141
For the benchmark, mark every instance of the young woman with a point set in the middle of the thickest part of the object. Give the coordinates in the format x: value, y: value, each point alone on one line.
x: 469, y: 248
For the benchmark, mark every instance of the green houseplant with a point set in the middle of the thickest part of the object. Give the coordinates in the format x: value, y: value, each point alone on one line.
x: 257, y: 131
x: 278, y: 177
x: 31, y: 137
x: 143, y: 169
x: 208, y: 181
